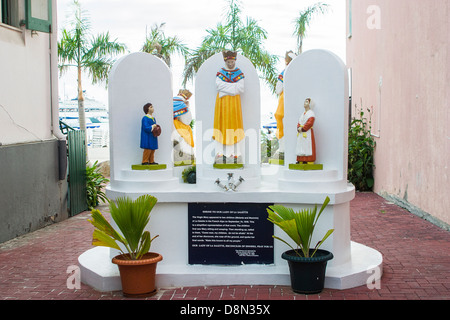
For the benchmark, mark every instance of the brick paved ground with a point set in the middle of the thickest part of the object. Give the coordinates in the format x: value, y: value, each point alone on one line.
x: 416, y: 262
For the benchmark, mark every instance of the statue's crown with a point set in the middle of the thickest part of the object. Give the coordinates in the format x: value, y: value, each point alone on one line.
x: 290, y: 55
x: 185, y: 93
x: 227, y: 55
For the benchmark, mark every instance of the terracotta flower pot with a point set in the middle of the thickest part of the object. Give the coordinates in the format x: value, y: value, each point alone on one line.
x: 138, y: 276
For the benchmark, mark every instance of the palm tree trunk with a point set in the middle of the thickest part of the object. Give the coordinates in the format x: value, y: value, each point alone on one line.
x: 81, y: 109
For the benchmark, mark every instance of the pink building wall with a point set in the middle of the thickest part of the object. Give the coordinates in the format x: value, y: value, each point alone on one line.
x: 400, y: 64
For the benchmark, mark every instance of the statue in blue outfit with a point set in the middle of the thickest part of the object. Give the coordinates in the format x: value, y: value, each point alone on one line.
x: 149, y: 135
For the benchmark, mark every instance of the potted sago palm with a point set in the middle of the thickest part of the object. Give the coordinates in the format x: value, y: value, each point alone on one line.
x: 307, y: 265
x: 137, y: 265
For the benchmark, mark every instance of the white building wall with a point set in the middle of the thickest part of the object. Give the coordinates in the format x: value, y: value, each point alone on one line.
x: 33, y: 193
x: 25, y: 83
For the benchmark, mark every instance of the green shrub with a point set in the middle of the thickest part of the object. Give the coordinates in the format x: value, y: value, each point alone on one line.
x: 361, y: 147
x: 94, y: 183
x: 189, y: 175
x: 269, y: 146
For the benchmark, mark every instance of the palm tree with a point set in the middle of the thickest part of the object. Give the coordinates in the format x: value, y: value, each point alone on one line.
x: 158, y: 44
x: 91, y: 54
x: 244, y: 37
x: 303, y: 21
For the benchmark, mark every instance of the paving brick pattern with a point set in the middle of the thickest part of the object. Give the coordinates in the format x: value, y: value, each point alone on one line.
x: 416, y: 262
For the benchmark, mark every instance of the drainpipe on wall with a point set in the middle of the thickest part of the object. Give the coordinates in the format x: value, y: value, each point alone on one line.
x: 54, y: 101
x: 53, y: 37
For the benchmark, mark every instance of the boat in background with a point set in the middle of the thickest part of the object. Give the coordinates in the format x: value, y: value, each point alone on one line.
x: 97, y: 119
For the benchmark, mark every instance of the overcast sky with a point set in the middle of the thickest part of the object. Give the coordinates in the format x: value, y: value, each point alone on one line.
x: 128, y: 20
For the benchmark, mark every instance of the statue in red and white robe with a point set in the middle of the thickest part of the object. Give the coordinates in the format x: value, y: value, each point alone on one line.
x: 306, y: 144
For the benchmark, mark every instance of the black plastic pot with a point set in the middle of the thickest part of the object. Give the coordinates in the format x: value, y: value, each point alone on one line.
x: 307, y: 274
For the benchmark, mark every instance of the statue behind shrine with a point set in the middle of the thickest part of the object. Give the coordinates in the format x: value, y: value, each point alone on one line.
x: 183, y: 138
x: 228, y: 123
x: 279, y: 114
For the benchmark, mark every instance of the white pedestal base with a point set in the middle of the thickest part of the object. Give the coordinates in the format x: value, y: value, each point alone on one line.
x: 99, y: 272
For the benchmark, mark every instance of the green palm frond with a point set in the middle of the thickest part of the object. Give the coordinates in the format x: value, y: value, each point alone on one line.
x: 158, y: 44
x: 145, y: 244
x: 100, y: 238
x: 245, y: 37
x: 299, y: 226
x: 67, y: 52
x: 102, y: 45
x: 195, y: 61
x: 131, y: 218
x: 302, y: 22
x: 104, y: 234
x: 98, y: 69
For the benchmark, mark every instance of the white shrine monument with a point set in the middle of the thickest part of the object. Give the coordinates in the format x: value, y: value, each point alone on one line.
x: 140, y: 78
